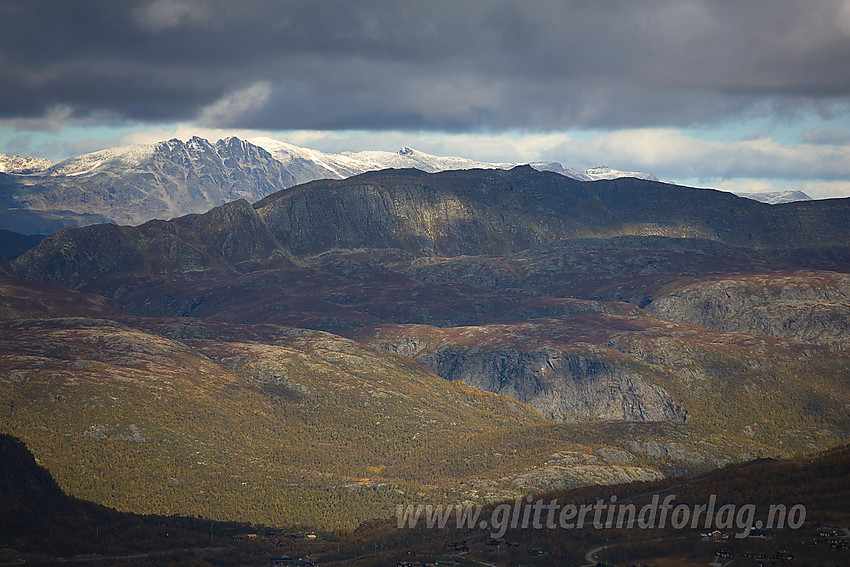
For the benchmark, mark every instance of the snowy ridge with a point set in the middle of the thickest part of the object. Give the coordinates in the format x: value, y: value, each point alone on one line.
x: 337, y: 165
x: 346, y: 164
x: 605, y: 172
x: 23, y: 165
x: 408, y: 157
x: 304, y: 164
x: 123, y: 157
x: 777, y: 197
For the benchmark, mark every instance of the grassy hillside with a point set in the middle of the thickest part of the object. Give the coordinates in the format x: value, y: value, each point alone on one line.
x: 299, y: 430
x: 282, y: 425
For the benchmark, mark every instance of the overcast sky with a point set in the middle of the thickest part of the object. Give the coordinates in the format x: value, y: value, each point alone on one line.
x: 734, y: 94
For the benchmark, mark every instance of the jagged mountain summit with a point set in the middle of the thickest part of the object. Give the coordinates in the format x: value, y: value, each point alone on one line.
x: 134, y: 184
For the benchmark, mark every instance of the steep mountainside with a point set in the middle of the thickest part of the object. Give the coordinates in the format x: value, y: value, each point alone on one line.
x: 42, y: 525
x: 13, y: 244
x: 218, y: 241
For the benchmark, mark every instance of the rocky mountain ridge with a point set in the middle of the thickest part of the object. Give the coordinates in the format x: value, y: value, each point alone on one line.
x: 450, y: 214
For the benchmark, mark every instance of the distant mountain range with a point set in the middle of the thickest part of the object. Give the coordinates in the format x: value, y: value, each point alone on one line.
x: 497, y: 231
x: 346, y: 164
x: 134, y: 184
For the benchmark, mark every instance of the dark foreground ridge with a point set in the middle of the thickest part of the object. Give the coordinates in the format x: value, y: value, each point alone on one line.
x: 815, y: 487
x: 41, y: 525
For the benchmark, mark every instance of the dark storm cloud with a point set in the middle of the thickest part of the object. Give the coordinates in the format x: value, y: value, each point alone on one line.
x: 481, y: 64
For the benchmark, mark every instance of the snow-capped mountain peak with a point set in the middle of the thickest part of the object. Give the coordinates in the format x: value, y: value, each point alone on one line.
x: 23, y: 165
x: 122, y: 157
x: 605, y: 172
x: 307, y: 164
x: 777, y: 197
x: 352, y: 163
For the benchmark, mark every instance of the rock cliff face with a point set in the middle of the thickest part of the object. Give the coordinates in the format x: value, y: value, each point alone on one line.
x: 614, y: 364
x: 556, y: 376
x: 812, y: 307
x: 560, y: 385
